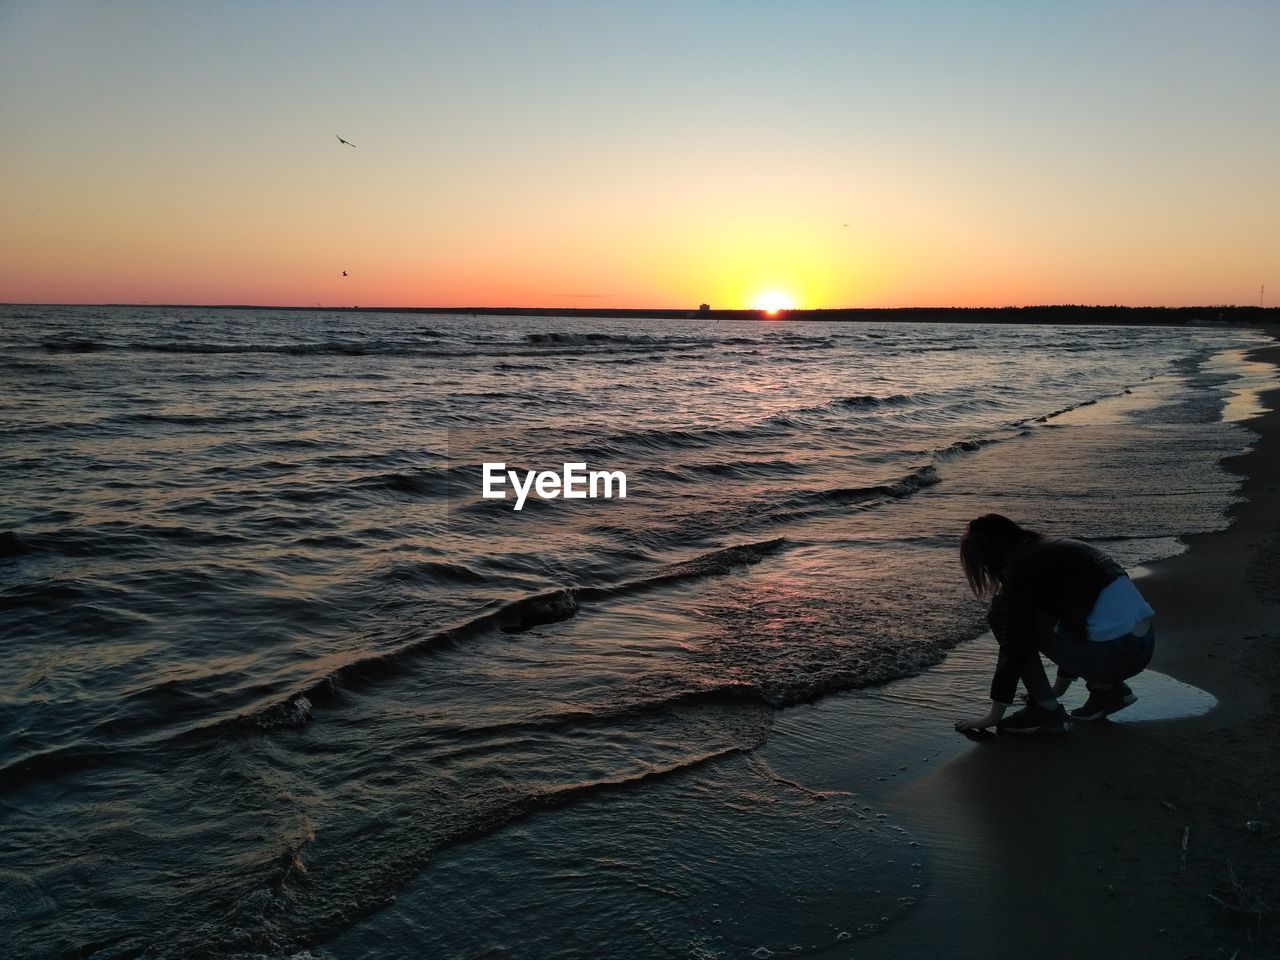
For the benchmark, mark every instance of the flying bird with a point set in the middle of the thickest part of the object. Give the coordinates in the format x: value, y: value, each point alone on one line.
x: 347, y: 142
x: 344, y: 273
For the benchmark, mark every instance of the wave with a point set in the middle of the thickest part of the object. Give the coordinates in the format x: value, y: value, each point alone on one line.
x: 913, y: 483
x: 1045, y: 418
x: 373, y: 348
x: 581, y: 339
x: 917, y: 480
x: 715, y: 563
x: 49, y: 593
x: 72, y: 345
x: 354, y: 348
x: 968, y: 445
x: 282, y: 908
x: 27, y: 365
x: 113, y: 539
x: 434, y: 481
x: 1057, y: 413
x: 640, y: 705
x: 677, y: 438
x: 145, y: 418
x: 503, y: 365
x: 761, y: 512
x: 58, y: 762
x: 12, y: 545
x: 433, y: 571
x: 688, y: 438
x: 429, y: 342
x: 795, y: 418
x: 337, y: 347
x: 515, y: 616
x: 725, y: 470
x: 868, y: 402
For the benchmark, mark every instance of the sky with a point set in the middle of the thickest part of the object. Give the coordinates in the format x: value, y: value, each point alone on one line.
x: 819, y: 153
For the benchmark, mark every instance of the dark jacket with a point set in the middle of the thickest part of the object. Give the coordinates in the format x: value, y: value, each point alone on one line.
x: 1055, y: 577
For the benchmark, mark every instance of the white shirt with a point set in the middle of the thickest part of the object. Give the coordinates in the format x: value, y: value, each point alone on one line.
x: 1119, y: 608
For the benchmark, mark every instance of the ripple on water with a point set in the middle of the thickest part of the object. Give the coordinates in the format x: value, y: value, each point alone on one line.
x: 723, y: 861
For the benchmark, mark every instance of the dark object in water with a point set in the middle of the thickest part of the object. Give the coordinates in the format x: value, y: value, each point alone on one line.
x: 981, y: 735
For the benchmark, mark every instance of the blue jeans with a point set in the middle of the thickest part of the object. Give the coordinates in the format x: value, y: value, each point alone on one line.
x: 1098, y: 661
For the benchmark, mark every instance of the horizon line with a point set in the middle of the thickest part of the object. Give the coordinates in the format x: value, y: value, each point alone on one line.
x: 684, y: 310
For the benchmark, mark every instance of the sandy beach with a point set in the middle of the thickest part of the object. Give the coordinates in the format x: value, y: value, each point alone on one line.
x: 1074, y: 846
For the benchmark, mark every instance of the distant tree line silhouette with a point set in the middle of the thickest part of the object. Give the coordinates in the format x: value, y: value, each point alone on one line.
x: 1060, y: 314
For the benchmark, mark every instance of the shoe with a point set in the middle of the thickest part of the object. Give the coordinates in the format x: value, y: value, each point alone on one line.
x: 1034, y: 718
x: 1103, y: 703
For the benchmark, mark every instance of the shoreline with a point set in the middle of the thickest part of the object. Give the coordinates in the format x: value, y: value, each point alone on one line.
x: 1072, y: 846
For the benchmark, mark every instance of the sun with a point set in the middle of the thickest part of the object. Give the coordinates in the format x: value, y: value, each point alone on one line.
x: 773, y: 302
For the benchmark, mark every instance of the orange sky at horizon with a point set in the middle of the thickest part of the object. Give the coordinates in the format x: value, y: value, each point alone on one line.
x: 171, y: 155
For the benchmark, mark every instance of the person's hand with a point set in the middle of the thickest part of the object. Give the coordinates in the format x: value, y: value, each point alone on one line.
x: 977, y: 723
x: 986, y: 720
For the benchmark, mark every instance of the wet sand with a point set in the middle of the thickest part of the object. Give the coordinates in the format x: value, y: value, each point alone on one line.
x: 1073, y: 846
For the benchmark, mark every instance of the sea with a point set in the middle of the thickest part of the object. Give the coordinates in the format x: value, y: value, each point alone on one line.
x: 278, y: 680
